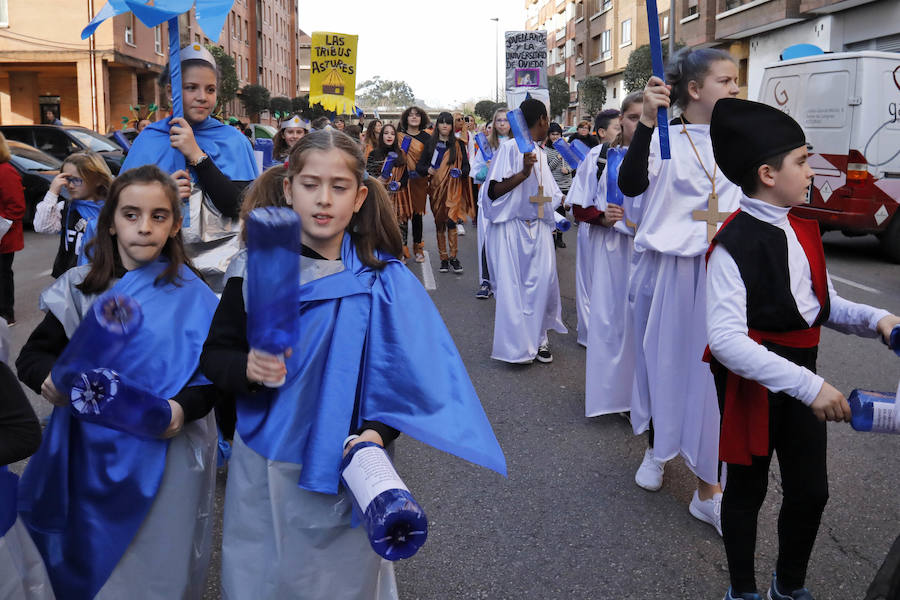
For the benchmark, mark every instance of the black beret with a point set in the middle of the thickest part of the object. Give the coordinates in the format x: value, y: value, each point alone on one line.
x: 745, y: 133
x: 555, y: 128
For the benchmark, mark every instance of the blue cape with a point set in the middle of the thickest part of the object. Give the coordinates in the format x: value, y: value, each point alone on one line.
x: 374, y: 336
x: 228, y: 148
x: 87, y: 490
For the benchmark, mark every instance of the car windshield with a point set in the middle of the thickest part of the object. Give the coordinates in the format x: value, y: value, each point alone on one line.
x: 32, y: 159
x: 94, y: 141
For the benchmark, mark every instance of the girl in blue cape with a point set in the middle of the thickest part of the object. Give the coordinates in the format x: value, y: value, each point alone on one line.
x: 374, y: 358
x: 86, y: 179
x: 114, y: 515
x: 211, y: 161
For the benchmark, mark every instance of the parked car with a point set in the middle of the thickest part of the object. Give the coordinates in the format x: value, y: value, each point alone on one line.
x: 60, y: 141
x: 130, y: 133
x: 848, y: 104
x: 37, y: 170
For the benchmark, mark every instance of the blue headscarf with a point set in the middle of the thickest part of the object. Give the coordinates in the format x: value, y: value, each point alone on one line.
x: 228, y: 148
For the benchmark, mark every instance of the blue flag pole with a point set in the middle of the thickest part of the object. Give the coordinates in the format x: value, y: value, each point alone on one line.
x: 175, y: 67
x: 656, y: 57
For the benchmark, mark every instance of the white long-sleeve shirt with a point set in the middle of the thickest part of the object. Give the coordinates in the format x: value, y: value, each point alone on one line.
x: 48, y: 214
x: 726, y: 313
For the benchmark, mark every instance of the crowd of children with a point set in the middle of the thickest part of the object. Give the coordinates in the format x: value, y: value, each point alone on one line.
x: 699, y: 300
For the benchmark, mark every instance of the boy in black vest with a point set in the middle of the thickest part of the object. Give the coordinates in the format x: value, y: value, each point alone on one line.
x: 768, y: 292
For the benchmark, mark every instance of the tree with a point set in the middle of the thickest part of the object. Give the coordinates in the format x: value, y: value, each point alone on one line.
x: 300, y: 105
x: 486, y: 108
x: 591, y: 94
x: 640, y: 67
x: 228, y: 80
x: 255, y: 99
x: 280, y: 106
x: 559, y: 94
x: 384, y: 92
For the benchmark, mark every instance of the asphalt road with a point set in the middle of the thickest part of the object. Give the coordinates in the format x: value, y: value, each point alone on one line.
x: 569, y: 522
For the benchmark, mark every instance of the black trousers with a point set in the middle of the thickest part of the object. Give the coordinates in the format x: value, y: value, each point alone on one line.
x: 7, y: 287
x: 799, y: 439
x: 417, y: 230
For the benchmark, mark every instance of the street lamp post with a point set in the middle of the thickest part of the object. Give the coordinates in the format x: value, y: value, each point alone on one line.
x: 496, y: 21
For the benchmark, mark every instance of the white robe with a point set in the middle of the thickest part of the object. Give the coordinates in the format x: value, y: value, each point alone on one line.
x: 609, y: 379
x: 674, y: 387
x: 584, y: 266
x: 22, y: 572
x: 523, y: 258
x: 484, y: 222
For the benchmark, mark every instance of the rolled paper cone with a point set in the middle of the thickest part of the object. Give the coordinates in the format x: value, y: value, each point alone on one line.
x: 520, y: 130
x: 562, y: 223
x: 483, y: 145
x: 101, y: 396
x: 404, y: 145
x: 394, y: 186
x: 388, y: 165
x: 565, y: 150
x: 873, y: 412
x: 273, y: 280
x: 105, y: 329
x: 614, y: 158
x: 455, y: 173
x: 580, y: 148
x: 895, y: 340
x: 394, y: 522
x: 438, y: 155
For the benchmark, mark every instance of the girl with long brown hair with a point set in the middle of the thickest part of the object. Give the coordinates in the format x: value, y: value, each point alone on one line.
x: 413, y: 122
x: 346, y: 374
x: 397, y: 182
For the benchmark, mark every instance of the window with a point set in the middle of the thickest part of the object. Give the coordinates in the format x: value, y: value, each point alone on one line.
x: 626, y: 32
x: 196, y: 38
x: 605, y: 44
x: 579, y: 53
x: 664, y: 24
x: 247, y: 68
x: 246, y: 35
x: 129, y: 29
x: 606, y: 4
x: 730, y: 4
x: 690, y: 8
x: 157, y: 39
x: 4, y: 13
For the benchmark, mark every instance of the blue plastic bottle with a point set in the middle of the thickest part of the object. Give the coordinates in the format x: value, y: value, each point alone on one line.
x: 395, y: 523
x: 520, y: 130
x: 101, y: 396
x: 438, y: 155
x: 110, y: 321
x: 580, y: 149
x: 565, y: 150
x: 895, y: 340
x: 404, y: 145
x: 873, y: 412
x: 273, y: 281
x: 388, y: 165
x: 562, y: 223
x: 486, y: 151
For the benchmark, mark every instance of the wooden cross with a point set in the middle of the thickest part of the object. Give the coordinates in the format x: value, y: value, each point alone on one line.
x: 540, y: 200
x: 630, y: 224
x: 711, y: 215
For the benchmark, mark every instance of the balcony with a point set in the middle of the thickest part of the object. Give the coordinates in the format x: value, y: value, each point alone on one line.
x: 827, y: 6
x: 736, y: 19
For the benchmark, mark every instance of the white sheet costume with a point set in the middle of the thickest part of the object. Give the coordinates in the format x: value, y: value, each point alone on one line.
x: 484, y: 222
x: 667, y: 294
x: 523, y: 258
x: 584, y: 267
x: 22, y: 572
x: 609, y: 380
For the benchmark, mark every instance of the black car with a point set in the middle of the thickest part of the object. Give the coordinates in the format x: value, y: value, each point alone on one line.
x: 60, y: 141
x: 37, y: 170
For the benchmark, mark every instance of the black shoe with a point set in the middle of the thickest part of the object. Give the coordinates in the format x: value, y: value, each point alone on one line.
x: 454, y: 264
x: 485, y: 291
x: 558, y: 241
x: 445, y: 266
x: 544, y: 355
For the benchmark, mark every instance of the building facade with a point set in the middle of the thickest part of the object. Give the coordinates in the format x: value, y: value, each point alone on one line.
x: 45, y: 65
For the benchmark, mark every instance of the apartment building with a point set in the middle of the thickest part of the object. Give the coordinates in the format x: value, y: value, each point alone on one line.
x: 44, y: 63
x: 592, y: 37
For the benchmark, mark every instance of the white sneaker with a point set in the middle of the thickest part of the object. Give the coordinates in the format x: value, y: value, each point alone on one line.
x: 460, y: 229
x: 708, y: 511
x: 650, y: 474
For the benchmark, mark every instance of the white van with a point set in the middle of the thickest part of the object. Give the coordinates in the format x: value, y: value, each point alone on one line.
x: 848, y: 103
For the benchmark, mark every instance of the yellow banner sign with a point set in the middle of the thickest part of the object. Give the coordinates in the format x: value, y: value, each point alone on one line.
x: 332, y: 80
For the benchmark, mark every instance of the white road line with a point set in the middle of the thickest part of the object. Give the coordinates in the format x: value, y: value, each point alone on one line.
x: 860, y: 286
x: 427, y: 273
x: 45, y: 273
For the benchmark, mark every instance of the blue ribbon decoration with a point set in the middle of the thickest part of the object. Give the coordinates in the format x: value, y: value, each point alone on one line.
x: 614, y: 158
x: 656, y: 57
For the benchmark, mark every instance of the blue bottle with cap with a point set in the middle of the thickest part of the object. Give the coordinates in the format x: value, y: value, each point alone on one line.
x: 565, y: 150
x: 273, y: 281
x: 438, y: 155
x: 614, y: 157
x: 394, y: 522
x: 486, y: 151
x: 105, y: 329
x: 520, y: 130
x: 388, y: 165
x: 873, y: 412
x: 103, y: 397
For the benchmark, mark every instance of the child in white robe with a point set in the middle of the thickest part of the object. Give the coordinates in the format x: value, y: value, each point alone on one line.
x: 521, y: 248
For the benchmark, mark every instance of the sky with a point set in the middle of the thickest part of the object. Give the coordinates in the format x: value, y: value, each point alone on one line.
x: 444, y: 49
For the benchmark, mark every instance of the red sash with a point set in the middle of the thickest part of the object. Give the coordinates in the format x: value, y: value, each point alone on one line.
x: 745, y: 417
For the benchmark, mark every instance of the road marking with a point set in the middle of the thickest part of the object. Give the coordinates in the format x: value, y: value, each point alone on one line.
x: 427, y: 273
x: 860, y: 286
x: 45, y: 273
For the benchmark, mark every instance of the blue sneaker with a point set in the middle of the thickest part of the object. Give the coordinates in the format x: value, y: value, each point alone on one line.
x: 745, y: 596
x: 774, y: 594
